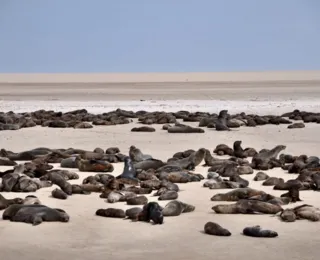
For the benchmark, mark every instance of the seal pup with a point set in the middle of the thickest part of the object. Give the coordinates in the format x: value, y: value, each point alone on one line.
x: 256, y: 231
x: 212, y: 228
x: 151, y: 211
x: 129, y: 171
x: 261, y: 176
x: 111, y: 213
x: 36, y: 215
x: 176, y: 207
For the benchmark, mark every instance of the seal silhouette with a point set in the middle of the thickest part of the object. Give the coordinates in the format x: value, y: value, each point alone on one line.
x: 111, y: 213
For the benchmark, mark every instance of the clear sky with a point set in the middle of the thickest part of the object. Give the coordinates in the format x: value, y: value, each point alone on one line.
x: 159, y: 35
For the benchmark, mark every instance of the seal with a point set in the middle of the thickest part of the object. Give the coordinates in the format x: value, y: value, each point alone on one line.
x: 136, y: 155
x: 190, y: 162
x: 288, y: 215
x: 69, y: 162
x: 307, y: 212
x: 77, y: 189
x: 149, y: 164
x: 237, y: 194
x: 212, y: 228
x: 30, y: 200
x: 39, y: 213
x: 93, y: 165
x: 176, y: 207
x: 236, y: 178
x: 112, y: 150
x: 256, y: 231
x: 223, y: 149
x: 221, y: 122
x: 4, y: 203
x: 129, y: 171
x: 271, y: 181
x: 57, y: 179
x: 143, y: 129
x: 261, y: 176
x: 133, y: 213
x: 115, y: 196
x: 260, y: 161
x: 111, y: 213
x: 10, y: 211
x: 151, y: 211
x: 247, y: 207
x: 184, y: 129
x: 153, y: 184
x: 293, y: 194
x: 168, y: 195
x: 139, y: 200
x: 238, y: 150
x: 59, y: 194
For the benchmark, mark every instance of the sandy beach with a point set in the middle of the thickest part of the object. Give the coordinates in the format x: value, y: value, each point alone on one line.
x: 88, y: 236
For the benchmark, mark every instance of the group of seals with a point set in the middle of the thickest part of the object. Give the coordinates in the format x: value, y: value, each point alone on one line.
x: 212, y: 228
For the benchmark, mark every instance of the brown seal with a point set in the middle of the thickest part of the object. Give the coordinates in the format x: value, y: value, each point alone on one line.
x: 261, y: 160
x: 143, y: 129
x: 223, y: 149
x: 176, y: 207
x: 59, y: 194
x: 111, y: 213
x: 4, y: 203
x: 238, y: 150
x: 93, y: 165
x: 139, y: 200
x: 247, y: 207
x: 36, y: 214
x: 237, y: 194
x: 212, y: 228
x: 261, y: 176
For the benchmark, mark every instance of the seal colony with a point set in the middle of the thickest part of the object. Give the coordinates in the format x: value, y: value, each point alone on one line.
x: 221, y: 121
x: 151, y: 187
x: 144, y: 177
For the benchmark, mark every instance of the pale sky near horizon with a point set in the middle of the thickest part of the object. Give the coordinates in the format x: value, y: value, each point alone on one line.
x: 158, y: 35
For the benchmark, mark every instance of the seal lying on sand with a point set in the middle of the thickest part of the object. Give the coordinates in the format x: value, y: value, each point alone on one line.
x: 256, y: 231
x: 35, y: 214
x: 237, y: 194
x: 301, y: 212
x: 111, y: 213
x: 176, y: 207
x: 93, y: 165
x: 215, y: 229
x: 247, y: 207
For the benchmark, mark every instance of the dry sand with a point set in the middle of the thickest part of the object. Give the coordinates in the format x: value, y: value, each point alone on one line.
x: 87, y: 236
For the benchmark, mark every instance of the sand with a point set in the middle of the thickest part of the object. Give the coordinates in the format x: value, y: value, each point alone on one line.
x: 87, y: 236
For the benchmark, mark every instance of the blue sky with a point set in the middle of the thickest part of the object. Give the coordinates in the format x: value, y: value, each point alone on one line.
x: 158, y: 35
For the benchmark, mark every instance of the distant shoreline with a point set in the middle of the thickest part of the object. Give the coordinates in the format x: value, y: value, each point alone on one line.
x: 200, y: 77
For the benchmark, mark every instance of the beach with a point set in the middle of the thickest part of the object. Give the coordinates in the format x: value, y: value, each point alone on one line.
x: 89, y: 236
